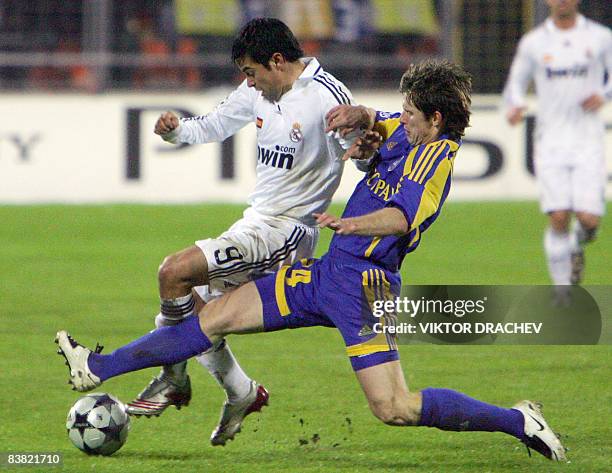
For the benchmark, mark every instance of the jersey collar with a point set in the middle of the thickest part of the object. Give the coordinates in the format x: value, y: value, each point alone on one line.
x: 580, y: 22
x: 312, y: 69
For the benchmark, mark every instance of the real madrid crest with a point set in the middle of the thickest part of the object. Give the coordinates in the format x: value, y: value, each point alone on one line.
x: 295, y: 134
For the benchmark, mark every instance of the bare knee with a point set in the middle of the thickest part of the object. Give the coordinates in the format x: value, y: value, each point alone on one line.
x: 559, y: 220
x: 181, y: 271
x: 398, y: 410
x: 167, y: 272
x: 588, y: 221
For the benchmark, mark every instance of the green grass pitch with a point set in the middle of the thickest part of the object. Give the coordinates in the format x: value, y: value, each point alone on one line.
x: 92, y: 270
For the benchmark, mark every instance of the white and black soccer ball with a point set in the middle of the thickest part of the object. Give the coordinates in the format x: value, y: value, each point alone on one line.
x: 98, y: 424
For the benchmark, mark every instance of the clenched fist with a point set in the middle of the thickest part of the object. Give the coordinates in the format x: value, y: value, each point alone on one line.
x: 167, y: 122
x: 515, y: 115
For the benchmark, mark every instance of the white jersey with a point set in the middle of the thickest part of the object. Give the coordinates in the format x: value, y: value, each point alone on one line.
x: 568, y: 66
x: 298, y: 166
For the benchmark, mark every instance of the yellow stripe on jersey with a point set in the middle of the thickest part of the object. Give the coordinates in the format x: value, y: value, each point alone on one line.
x: 387, y: 127
x: 281, y: 299
x: 430, y: 200
x: 420, y: 177
x: 423, y: 159
x: 409, y: 160
x: 374, y: 345
x: 375, y: 241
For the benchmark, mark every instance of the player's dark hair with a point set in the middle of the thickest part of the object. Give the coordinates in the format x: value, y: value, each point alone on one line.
x: 260, y: 38
x: 440, y: 86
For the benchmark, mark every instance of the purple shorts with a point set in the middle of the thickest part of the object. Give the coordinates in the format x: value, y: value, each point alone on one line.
x: 336, y: 292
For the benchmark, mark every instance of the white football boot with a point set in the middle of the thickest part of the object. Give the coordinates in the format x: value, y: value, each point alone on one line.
x: 233, y: 414
x: 540, y: 436
x: 81, y: 377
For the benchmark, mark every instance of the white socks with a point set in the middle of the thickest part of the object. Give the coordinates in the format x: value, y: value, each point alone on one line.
x: 220, y: 363
x: 558, y: 248
x: 173, y: 311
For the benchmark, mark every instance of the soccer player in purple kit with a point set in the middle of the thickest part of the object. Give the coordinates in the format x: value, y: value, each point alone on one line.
x: 410, y: 160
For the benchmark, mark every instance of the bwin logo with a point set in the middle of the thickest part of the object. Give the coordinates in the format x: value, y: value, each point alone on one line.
x: 280, y: 157
x: 576, y: 71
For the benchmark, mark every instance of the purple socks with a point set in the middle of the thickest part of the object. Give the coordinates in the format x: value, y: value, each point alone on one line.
x: 450, y: 410
x: 442, y: 408
x: 164, y: 346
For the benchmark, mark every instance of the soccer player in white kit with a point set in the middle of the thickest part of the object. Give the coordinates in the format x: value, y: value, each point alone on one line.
x: 299, y: 166
x: 567, y: 56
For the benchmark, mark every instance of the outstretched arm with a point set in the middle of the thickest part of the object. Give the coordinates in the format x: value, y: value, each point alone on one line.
x: 387, y: 221
x: 232, y: 114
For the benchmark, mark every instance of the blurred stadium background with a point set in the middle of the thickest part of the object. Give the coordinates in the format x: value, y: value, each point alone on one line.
x: 81, y: 84
x: 123, y: 62
x: 104, y: 45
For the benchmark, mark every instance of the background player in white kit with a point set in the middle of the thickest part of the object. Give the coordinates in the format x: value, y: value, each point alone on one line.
x: 299, y: 168
x: 567, y: 56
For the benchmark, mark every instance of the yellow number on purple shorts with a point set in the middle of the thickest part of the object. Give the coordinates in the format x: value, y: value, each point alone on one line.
x: 298, y: 276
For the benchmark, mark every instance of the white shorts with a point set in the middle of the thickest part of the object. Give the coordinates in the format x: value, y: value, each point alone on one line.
x: 573, y: 181
x: 254, y: 246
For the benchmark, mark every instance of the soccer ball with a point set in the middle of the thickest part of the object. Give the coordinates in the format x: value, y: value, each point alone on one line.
x: 98, y: 424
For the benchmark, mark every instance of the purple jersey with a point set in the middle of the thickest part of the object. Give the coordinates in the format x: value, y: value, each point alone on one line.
x: 340, y: 289
x: 415, y: 179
